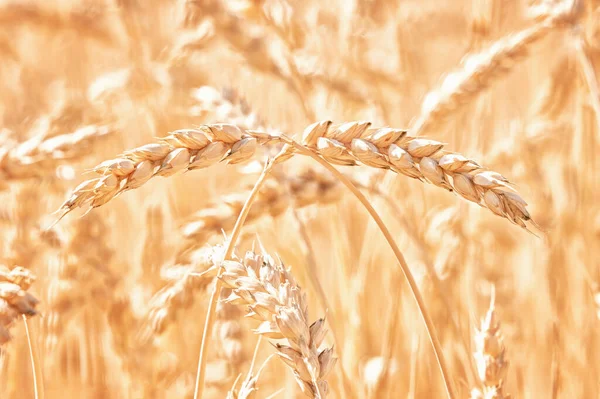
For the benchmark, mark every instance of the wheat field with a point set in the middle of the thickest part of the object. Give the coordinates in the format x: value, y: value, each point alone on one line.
x: 288, y: 199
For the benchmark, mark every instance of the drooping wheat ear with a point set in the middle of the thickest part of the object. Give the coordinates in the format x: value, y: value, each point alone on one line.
x: 479, y: 71
x: 39, y: 157
x: 182, y: 150
x: 307, y: 188
x: 15, y: 301
x: 419, y: 158
x: 345, y: 144
x: 490, y: 358
x: 274, y: 298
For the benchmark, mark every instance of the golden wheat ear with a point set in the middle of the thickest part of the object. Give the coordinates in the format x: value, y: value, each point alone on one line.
x: 349, y: 144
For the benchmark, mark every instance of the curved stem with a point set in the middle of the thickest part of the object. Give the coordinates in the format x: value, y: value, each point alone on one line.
x: 437, y: 348
x: 206, y: 336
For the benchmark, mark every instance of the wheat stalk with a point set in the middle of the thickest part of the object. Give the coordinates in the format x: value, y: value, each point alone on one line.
x: 345, y: 144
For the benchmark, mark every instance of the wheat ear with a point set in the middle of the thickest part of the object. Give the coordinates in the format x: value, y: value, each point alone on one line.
x: 345, y: 144
x: 274, y: 298
x: 38, y: 156
x: 182, y: 150
x: 307, y: 188
x: 479, y: 71
x: 15, y: 301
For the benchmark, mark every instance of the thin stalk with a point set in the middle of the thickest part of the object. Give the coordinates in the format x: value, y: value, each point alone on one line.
x: 437, y: 347
x: 271, y: 396
x: 32, y: 357
x: 414, y: 358
x: 255, y: 354
x: 206, y: 336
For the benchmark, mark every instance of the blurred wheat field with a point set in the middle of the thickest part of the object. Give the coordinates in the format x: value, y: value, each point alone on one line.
x: 201, y: 251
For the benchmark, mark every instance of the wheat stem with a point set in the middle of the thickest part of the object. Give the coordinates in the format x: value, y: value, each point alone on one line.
x: 437, y: 348
x: 206, y: 336
x: 32, y: 357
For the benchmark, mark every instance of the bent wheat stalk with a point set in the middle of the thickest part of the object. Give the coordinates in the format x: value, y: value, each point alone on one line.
x: 346, y: 144
x: 437, y: 348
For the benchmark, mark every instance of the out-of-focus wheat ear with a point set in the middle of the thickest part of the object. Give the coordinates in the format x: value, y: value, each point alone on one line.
x: 39, y: 157
x: 89, y: 21
x: 15, y: 301
x: 177, y: 296
x: 490, y: 357
x: 480, y: 70
x: 308, y: 187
